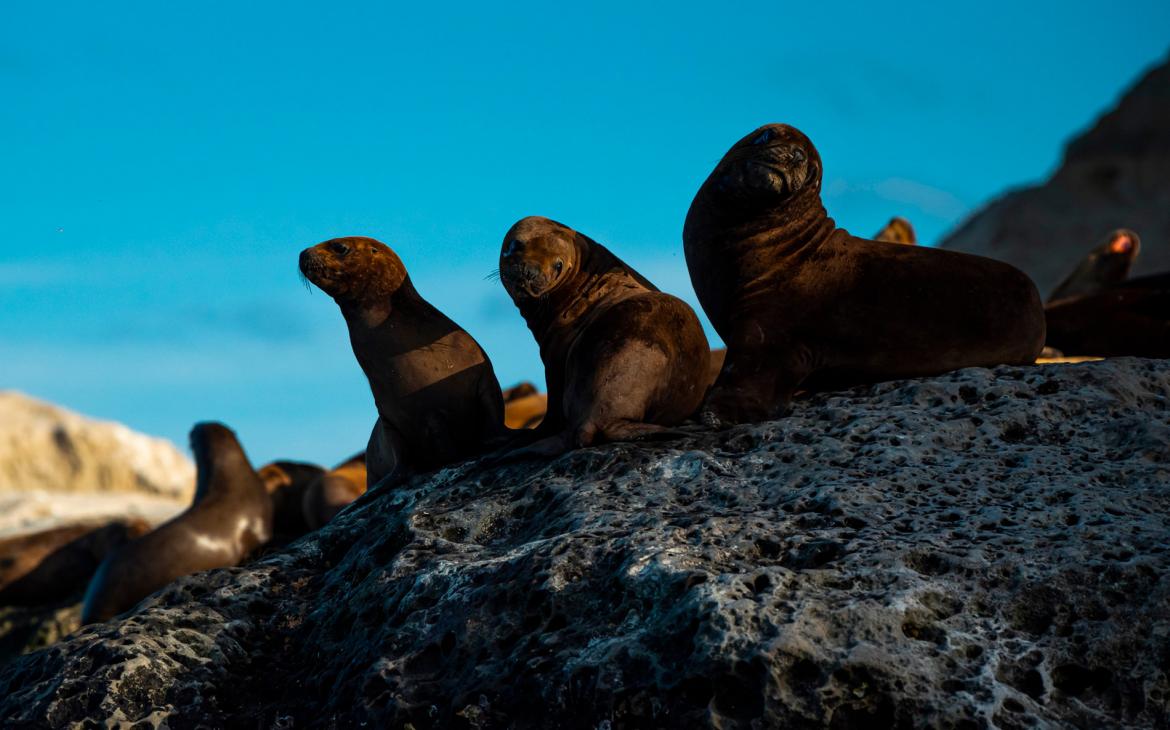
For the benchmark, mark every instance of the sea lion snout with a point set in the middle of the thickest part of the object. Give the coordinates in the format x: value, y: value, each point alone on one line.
x: 534, y: 257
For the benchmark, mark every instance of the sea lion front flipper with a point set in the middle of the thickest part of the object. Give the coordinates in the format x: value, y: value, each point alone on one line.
x: 633, y: 431
x: 384, y: 454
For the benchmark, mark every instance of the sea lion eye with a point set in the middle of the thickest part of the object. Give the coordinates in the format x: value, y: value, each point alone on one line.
x: 762, y: 137
x: 339, y: 248
x: 559, y: 265
x: 512, y: 246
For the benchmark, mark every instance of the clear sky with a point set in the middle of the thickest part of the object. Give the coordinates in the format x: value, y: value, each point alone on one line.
x: 164, y: 163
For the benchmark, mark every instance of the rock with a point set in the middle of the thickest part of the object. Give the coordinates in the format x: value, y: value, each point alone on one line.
x: 1116, y: 175
x: 985, y: 547
x: 44, y: 447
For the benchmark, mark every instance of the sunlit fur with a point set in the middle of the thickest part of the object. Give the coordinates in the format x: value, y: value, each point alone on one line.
x: 339, y: 269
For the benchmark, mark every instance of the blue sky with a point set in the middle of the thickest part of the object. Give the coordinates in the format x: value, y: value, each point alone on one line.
x: 164, y: 163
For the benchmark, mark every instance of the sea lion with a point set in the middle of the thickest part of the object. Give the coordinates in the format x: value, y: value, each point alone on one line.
x: 50, y: 566
x: 437, y: 396
x: 518, y: 391
x: 1115, y: 322
x: 801, y: 303
x: 230, y: 517
x: 336, y: 488
x: 286, y: 483
x: 526, y: 411
x: 1105, y: 266
x: 622, y: 360
x: 898, y: 230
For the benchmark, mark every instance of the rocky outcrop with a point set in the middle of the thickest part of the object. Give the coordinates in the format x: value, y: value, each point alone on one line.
x: 44, y: 447
x: 982, y: 549
x: 1116, y: 175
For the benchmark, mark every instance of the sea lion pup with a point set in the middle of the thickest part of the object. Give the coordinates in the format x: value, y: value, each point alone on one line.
x: 437, y: 396
x: 898, y: 230
x: 1115, y: 322
x: 622, y: 360
x: 1105, y: 266
x: 333, y: 490
x: 53, y: 565
x: 286, y: 483
x: 801, y: 303
x: 230, y: 517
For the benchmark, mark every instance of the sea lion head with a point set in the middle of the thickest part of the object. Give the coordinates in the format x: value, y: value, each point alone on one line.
x: 1122, y: 242
x: 767, y: 168
x: 537, y: 256
x: 356, y: 271
x: 214, y: 445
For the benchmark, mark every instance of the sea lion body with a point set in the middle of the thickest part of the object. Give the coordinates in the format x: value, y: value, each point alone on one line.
x: 1120, y: 321
x: 1105, y: 266
x: 801, y: 303
x: 333, y: 490
x: 50, y: 566
x: 436, y: 393
x: 286, y: 483
x: 231, y: 516
x: 622, y: 359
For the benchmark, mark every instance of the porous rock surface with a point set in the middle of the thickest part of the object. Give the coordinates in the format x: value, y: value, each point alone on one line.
x: 982, y: 549
x: 1115, y: 175
x: 45, y: 447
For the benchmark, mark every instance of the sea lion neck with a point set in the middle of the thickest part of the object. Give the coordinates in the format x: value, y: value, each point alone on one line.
x: 801, y: 223
x: 215, y: 470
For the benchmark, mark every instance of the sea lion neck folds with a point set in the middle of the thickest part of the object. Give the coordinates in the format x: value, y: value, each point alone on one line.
x: 556, y: 276
x: 801, y: 303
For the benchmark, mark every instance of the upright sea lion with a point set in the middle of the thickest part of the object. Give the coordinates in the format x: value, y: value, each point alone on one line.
x: 800, y: 302
x: 1114, y: 322
x: 333, y: 490
x: 231, y: 516
x: 898, y: 230
x: 1105, y: 266
x: 52, y: 565
x: 437, y: 396
x: 622, y: 359
x: 286, y: 483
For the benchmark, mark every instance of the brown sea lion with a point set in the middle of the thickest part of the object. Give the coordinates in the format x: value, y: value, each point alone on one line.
x: 525, y: 412
x: 286, y: 483
x: 336, y: 488
x: 1115, y: 322
x: 437, y: 396
x: 622, y: 359
x: 518, y: 391
x: 898, y: 230
x: 801, y: 303
x: 50, y: 566
x: 231, y: 516
x: 1105, y: 266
